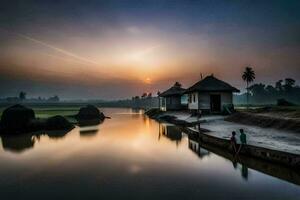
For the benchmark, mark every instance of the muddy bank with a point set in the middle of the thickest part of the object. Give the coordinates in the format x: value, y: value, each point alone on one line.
x: 161, y: 116
x: 270, y: 155
x: 265, y: 121
x: 280, y: 171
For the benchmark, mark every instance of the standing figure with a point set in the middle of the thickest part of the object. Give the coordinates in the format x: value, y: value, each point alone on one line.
x: 243, y: 139
x: 233, y: 141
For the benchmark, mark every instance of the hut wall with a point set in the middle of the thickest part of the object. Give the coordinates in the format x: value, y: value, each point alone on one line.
x: 203, y: 100
x: 226, y: 98
x: 193, y: 101
x: 162, y: 104
x: 173, y: 103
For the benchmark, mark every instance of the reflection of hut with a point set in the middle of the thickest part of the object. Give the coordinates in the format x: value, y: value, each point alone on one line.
x: 195, y: 147
x: 210, y: 94
x: 171, y: 98
x: 17, y: 143
x: 171, y: 132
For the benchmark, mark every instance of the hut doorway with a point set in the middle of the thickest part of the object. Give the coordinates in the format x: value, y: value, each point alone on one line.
x: 215, y: 103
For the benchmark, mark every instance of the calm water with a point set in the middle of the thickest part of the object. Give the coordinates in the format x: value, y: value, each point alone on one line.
x: 128, y: 156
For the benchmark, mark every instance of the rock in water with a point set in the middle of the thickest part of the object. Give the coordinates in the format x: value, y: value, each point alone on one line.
x: 58, y: 123
x: 17, y: 119
x: 89, y: 112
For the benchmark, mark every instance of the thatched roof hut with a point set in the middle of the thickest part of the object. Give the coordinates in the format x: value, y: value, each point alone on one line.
x: 210, y: 94
x: 171, y: 98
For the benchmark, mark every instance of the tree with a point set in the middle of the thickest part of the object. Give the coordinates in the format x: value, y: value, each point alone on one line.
x: 248, y: 76
x: 22, y: 95
x: 271, y: 91
x: 144, y: 95
x: 289, y: 84
x: 258, y: 92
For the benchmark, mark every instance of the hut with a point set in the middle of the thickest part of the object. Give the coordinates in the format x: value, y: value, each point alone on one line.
x: 171, y: 98
x: 210, y: 95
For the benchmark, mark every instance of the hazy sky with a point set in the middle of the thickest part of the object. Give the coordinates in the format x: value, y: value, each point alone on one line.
x: 117, y: 49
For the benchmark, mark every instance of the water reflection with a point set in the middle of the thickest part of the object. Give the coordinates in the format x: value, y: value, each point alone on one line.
x: 196, y: 148
x: 17, y: 143
x: 242, y: 162
x: 125, y: 159
x: 21, y: 142
x: 88, y: 128
x: 171, y: 132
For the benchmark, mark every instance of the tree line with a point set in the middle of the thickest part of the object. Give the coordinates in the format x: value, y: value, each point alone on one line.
x: 260, y: 93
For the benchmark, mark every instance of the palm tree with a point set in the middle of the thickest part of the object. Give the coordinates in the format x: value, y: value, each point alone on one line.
x: 248, y: 76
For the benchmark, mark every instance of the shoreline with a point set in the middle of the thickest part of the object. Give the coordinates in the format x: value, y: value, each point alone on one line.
x: 260, y: 145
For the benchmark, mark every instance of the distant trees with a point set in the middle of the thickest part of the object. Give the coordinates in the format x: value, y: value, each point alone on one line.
x: 260, y: 93
x: 248, y: 76
x: 53, y: 99
x: 144, y: 95
x: 22, y: 96
x: 289, y: 84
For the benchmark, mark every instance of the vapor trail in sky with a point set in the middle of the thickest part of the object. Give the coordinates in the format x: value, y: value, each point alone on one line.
x: 57, y: 49
x: 62, y: 51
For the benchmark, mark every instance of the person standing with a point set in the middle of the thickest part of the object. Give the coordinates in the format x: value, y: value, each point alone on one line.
x: 243, y: 139
x: 233, y: 141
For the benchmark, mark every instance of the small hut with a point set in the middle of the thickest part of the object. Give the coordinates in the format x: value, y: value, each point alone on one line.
x: 171, y: 98
x: 210, y: 95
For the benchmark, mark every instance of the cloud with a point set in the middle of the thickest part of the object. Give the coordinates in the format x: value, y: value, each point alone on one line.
x: 133, y: 30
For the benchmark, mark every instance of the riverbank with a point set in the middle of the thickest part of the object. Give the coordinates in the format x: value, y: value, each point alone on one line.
x: 282, y: 118
x: 217, y: 126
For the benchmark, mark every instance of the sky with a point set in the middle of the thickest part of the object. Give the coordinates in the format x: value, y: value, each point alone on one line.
x: 118, y: 49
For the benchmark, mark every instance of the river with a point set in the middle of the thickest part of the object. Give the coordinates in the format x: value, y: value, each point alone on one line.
x: 131, y: 157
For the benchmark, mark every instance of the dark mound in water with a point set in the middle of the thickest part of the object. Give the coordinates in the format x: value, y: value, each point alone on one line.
x: 19, y: 119
x: 58, y: 123
x: 89, y: 112
x: 16, y: 119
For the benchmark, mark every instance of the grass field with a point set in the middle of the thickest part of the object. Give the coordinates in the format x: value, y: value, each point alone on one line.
x: 48, y: 110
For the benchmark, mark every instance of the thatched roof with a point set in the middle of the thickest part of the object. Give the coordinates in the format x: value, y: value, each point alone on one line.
x: 211, y: 84
x: 175, y: 90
